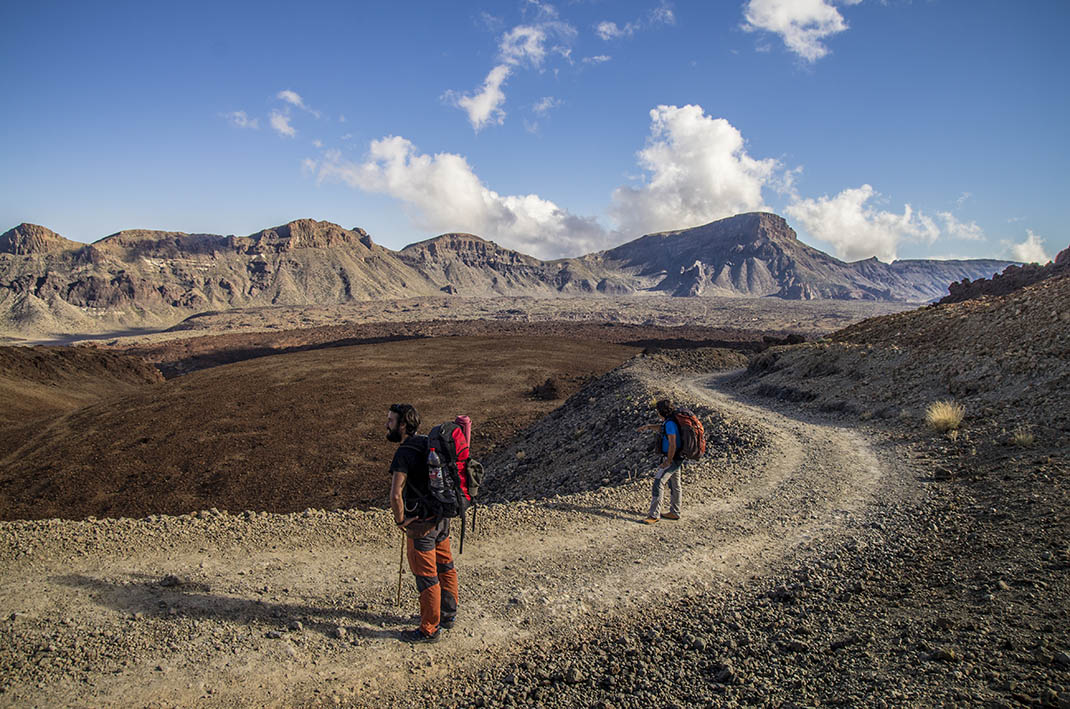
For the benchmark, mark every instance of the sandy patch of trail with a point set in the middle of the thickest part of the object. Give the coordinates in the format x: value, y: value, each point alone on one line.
x: 255, y: 619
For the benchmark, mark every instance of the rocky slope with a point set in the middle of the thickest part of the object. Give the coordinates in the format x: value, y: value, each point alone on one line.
x: 139, y: 278
x: 1012, y: 278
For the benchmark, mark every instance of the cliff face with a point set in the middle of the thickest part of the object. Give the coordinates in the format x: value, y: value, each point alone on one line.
x: 141, y: 278
x: 26, y: 239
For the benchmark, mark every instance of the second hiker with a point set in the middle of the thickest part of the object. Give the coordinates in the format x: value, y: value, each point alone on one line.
x: 668, y: 470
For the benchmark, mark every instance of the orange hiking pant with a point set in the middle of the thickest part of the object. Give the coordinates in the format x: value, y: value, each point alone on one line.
x: 431, y: 563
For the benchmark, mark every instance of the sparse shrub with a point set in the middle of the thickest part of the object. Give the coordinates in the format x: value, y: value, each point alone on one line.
x: 1023, y: 437
x: 944, y: 415
x: 866, y: 415
x: 547, y: 391
x: 953, y: 434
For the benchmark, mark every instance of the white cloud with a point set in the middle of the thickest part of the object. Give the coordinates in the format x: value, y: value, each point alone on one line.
x: 802, y: 24
x: 444, y: 194
x: 610, y: 30
x: 281, y: 123
x: 597, y: 59
x: 317, y: 143
x: 663, y: 14
x: 524, y: 43
x: 241, y: 120
x: 291, y: 97
x: 699, y: 171
x: 961, y: 230
x: 522, y: 46
x: 308, y: 166
x: 857, y: 231
x: 1029, y: 251
x: 963, y: 198
x: 485, y: 106
x: 294, y: 99
x: 545, y: 105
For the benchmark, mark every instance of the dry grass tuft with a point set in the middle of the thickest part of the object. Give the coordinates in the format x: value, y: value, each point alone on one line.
x: 1023, y: 437
x: 944, y: 415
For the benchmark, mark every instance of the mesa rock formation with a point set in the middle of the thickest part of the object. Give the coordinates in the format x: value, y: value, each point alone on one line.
x: 142, y: 278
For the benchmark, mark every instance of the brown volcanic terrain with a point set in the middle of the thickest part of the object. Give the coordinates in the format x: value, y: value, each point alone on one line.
x: 280, y: 433
x: 41, y: 384
x: 180, y: 356
x: 833, y: 550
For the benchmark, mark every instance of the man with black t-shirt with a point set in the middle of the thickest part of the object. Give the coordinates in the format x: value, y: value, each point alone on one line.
x: 428, y: 542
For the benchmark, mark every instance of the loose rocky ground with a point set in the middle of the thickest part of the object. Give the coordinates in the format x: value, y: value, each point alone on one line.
x: 829, y: 553
x: 818, y: 561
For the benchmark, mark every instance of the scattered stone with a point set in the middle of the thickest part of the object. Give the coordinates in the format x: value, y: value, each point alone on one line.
x: 170, y: 580
x: 574, y: 675
x: 945, y: 654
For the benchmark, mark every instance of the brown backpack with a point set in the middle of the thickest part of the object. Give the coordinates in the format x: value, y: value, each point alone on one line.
x: 692, y: 435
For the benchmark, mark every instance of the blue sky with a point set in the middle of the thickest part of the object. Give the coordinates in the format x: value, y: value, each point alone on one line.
x: 896, y: 129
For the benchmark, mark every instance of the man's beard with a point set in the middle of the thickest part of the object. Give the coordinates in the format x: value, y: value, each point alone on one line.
x: 394, y: 435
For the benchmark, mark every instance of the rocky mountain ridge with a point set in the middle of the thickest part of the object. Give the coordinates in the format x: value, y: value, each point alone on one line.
x: 144, y: 278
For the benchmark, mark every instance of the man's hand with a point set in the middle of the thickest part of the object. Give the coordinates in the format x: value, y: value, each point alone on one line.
x: 415, y: 528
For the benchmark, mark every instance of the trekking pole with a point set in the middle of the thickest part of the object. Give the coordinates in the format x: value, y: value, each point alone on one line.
x: 401, y: 564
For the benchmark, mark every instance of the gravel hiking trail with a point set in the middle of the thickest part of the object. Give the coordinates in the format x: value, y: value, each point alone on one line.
x: 255, y: 609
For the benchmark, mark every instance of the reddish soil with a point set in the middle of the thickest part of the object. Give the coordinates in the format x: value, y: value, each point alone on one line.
x: 180, y: 356
x: 280, y: 433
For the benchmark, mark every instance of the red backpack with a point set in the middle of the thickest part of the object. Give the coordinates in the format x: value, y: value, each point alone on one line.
x: 453, y: 478
x: 692, y: 435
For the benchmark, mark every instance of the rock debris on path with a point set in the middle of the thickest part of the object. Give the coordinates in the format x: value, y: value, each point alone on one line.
x: 790, y: 578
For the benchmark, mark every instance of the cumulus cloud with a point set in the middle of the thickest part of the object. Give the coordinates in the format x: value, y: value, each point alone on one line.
x: 802, y: 24
x: 961, y: 230
x: 1029, y: 251
x: 484, y: 108
x: 443, y: 194
x: 857, y: 231
x: 281, y: 123
x: 698, y: 171
x: 526, y: 46
x: 241, y: 120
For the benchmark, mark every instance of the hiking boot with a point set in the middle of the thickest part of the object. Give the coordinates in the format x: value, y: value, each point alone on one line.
x: 418, y: 636
x: 447, y: 623
x: 670, y: 515
x: 650, y: 520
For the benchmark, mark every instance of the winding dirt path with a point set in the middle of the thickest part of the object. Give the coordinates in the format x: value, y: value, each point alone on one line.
x: 85, y: 620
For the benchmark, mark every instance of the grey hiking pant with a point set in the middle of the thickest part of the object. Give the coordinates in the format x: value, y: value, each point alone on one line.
x: 670, y: 475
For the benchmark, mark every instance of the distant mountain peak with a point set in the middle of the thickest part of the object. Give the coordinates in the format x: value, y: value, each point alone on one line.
x: 29, y: 238
x: 309, y: 233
